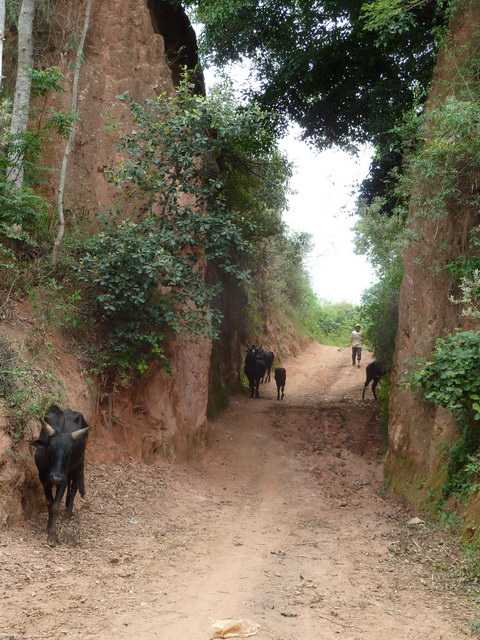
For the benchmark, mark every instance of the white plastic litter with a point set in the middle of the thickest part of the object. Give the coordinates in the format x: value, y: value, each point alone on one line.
x: 234, y: 629
x: 414, y: 522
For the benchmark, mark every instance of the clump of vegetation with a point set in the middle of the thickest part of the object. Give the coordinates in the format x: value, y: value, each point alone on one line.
x: 278, y: 282
x: 24, y: 215
x: 330, y: 322
x: 451, y: 379
x: 475, y: 628
x: 466, y: 273
x: 26, y: 391
x: 205, y: 183
x: 379, y: 315
x: 447, y: 159
x: 141, y: 288
x: 382, y: 239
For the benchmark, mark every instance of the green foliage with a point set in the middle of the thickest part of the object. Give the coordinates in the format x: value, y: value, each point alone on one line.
x: 400, y: 15
x: 438, y: 177
x: 46, y: 80
x: 390, y: 14
x: 465, y: 270
x: 475, y: 627
x: 44, y: 17
x: 279, y: 283
x: 379, y: 314
x: 434, y: 149
x: 383, y: 393
x: 26, y: 390
x: 23, y: 221
x: 447, y: 159
x: 379, y: 237
x: 205, y: 184
x: 316, y: 64
x: 451, y: 379
x: 382, y: 239
x: 141, y: 286
x: 54, y: 303
x: 61, y: 122
x: 329, y: 322
x: 24, y: 215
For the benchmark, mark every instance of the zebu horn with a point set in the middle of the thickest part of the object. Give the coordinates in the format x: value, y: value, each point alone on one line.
x: 50, y: 430
x: 78, y: 433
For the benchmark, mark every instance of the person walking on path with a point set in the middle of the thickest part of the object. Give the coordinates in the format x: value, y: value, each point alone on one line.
x: 356, y: 346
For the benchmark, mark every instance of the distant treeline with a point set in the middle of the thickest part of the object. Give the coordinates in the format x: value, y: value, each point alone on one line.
x: 329, y: 322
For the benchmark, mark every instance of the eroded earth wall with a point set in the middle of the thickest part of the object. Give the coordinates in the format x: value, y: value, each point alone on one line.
x: 419, y: 432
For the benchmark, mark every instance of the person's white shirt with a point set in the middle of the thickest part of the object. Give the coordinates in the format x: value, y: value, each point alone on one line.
x: 356, y: 338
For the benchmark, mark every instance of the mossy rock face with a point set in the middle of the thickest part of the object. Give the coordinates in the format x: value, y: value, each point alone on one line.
x: 217, y: 400
x: 405, y: 479
x: 425, y: 493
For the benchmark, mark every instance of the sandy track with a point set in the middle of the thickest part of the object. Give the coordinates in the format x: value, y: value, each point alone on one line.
x: 281, y: 522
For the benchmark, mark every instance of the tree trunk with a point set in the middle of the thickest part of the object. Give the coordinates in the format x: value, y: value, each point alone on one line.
x: 71, y: 137
x: 2, y: 38
x: 21, y: 102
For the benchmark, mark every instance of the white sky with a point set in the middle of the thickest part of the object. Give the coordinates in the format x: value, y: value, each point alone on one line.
x: 323, y: 204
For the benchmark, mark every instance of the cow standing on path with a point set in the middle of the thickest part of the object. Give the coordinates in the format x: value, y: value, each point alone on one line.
x: 375, y: 370
x: 254, y: 369
x: 269, y: 357
x: 280, y: 379
x: 60, y: 459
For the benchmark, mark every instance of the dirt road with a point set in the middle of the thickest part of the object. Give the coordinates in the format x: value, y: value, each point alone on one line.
x: 281, y: 522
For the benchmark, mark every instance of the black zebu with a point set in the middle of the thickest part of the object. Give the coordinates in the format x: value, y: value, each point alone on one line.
x: 254, y: 369
x: 60, y: 458
x: 269, y: 357
x: 280, y: 379
x: 375, y: 370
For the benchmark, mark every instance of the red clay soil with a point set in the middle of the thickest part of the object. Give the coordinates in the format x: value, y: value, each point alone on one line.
x: 282, y: 521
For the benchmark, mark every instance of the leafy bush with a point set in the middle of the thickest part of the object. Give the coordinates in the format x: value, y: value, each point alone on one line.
x: 142, y: 285
x: 23, y: 220
x: 451, y: 379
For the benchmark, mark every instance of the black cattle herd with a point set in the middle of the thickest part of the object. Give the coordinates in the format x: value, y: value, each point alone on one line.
x: 60, y: 447
x: 259, y: 363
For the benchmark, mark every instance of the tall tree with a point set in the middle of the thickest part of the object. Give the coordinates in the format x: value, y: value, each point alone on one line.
x: 71, y: 137
x: 2, y: 37
x: 21, y: 102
